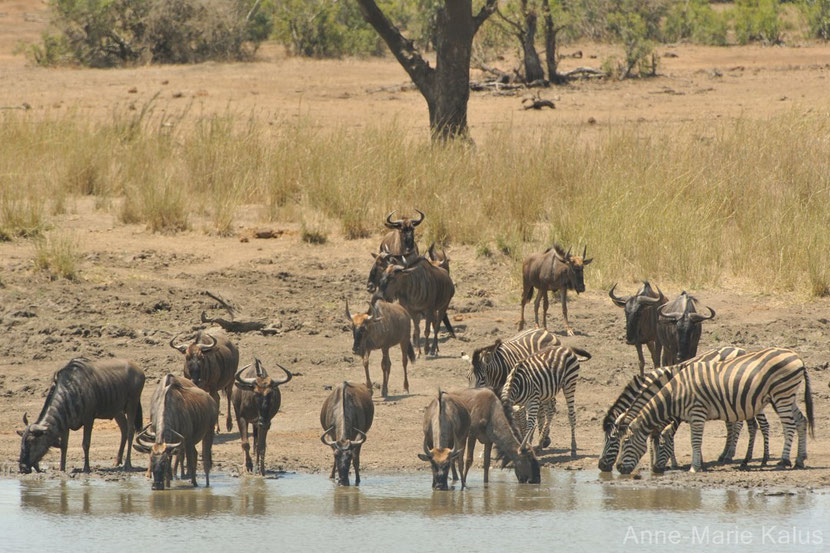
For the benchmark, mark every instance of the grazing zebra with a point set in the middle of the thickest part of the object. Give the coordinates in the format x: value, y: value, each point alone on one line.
x: 492, y: 364
x: 537, y: 379
x: 639, y: 390
x: 733, y: 390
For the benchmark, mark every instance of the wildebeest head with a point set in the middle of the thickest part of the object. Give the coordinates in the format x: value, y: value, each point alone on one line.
x: 360, y: 328
x: 440, y: 460
x: 406, y: 229
x: 194, y: 357
x: 526, y: 466
x: 343, y: 453
x: 438, y: 259
x: 574, y: 265
x: 482, y: 358
x: 680, y: 313
x: 265, y: 390
x: 35, y: 442
x: 635, y: 306
x: 161, y: 455
x: 390, y: 282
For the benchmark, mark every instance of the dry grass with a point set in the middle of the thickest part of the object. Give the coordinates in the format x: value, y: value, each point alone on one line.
x: 749, y: 199
x: 57, y: 255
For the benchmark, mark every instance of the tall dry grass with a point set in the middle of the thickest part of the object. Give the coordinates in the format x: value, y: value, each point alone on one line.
x: 696, y: 205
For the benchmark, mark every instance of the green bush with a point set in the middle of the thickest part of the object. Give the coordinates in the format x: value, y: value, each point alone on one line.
x: 817, y: 15
x: 758, y: 20
x: 109, y: 33
x: 630, y: 29
x: 695, y: 21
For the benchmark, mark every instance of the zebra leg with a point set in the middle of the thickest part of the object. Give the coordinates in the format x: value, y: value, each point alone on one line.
x: 569, y: 399
x: 532, y: 407
x: 764, y: 424
x: 733, y: 431
x: 544, y: 434
x: 752, y: 428
x: 665, y: 449
x: 696, y: 424
x: 785, y: 413
x: 801, y: 426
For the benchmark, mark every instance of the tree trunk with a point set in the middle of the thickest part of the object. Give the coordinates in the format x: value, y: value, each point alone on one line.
x: 550, y: 46
x: 446, y: 88
x: 533, y: 65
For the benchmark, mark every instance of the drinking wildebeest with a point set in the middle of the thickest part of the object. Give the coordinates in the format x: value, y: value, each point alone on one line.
x: 554, y: 270
x: 421, y: 288
x: 183, y: 416
x: 489, y: 425
x: 256, y: 400
x: 211, y: 362
x: 641, y: 320
x: 384, y: 325
x: 679, y: 326
x: 81, y: 392
x: 346, y: 417
x: 446, y: 427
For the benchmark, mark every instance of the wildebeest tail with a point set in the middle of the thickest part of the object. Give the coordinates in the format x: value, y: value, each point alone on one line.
x: 410, y: 352
x: 582, y: 353
x: 448, y: 325
x: 139, y: 416
x: 808, y: 402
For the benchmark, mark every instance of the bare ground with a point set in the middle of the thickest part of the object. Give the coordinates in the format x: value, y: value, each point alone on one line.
x: 138, y: 288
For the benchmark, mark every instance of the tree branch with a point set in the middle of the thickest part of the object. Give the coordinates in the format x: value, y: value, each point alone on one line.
x: 401, y: 47
x: 486, y: 11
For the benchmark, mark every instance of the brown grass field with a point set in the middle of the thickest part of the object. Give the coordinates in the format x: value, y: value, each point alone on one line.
x: 712, y: 177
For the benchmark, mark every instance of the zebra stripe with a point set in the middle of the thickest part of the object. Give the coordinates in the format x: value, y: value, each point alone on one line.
x: 732, y: 391
x: 537, y: 379
x: 637, y: 393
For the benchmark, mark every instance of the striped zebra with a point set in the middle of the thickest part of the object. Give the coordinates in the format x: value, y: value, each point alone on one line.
x: 639, y: 390
x: 537, y: 379
x: 734, y: 390
x: 492, y: 364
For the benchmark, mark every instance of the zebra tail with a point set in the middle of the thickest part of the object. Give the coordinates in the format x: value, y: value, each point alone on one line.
x: 447, y: 324
x: 139, y: 415
x: 808, y: 402
x: 582, y: 353
x: 410, y: 352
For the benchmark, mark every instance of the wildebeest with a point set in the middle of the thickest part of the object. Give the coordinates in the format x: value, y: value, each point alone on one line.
x: 446, y: 426
x: 438, y: 259
x: 641, y: 320
x: 384, y: 325
x: 256, y: 399
x: 346, y: 417
x: 424, y: 289
x: 81, y: 392
x: 554, y: 270
x: 679, y: 326
x: 381, y: 261
x: 183, y: 416
x: 489, y: 425
x: 401, y: 241
x: 211, y: 362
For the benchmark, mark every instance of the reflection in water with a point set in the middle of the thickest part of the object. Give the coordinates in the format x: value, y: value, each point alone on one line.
x: 346, y: 500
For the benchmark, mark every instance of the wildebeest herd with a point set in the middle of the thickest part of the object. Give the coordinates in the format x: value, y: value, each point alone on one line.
x: 514, y: 381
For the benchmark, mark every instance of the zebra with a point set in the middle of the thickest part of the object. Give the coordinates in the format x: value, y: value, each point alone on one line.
x: 733, y: 390
x: 490, y: 365
x: 652, y: 384
x: 537, y: 379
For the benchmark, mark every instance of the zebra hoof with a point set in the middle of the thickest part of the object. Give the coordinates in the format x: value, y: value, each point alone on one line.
x: 764, y: 461
x: 545, y: 442
x: 783, y: 463
x: 799, y: 463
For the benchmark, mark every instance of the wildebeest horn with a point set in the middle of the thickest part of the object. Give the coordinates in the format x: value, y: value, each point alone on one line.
x: 568, y: 253
x: 392, y: 224
x: 259, y: 372
x: 361, y: 439
x: 174, y: 445
x: 244, y: 383
x: 418, y: 222
x: 697, y: 317
x: 288, y: 377
x: 25, y: 419
x: 618, y: 301
x: 431, y: 251
x: 584, y: 251
x: 348, y: 313
x: 325, y: 437
x: 671, y: 316
x: 181, y: 348
x: 211, y: 346
x: 427, y: 451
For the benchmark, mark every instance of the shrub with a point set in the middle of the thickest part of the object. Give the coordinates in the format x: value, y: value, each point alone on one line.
x: 57, y: 255
x: 629, y: 28
x: 817, y: 15
x: 758, y: 20
x: 109, y: 33
x: 695, y: 21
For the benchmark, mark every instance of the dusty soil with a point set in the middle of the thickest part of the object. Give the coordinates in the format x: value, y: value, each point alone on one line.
x: 138, y: 288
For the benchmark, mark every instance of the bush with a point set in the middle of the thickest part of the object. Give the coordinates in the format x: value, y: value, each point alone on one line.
x: 109, y: 33
x: 58, y: 256
x: 817, y: 14
x: 758, y: 20
x: 695, y: 21
x: 629, y: 28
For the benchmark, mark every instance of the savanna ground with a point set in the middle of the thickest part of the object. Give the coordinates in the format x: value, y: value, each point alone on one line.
x: 135, y: 288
